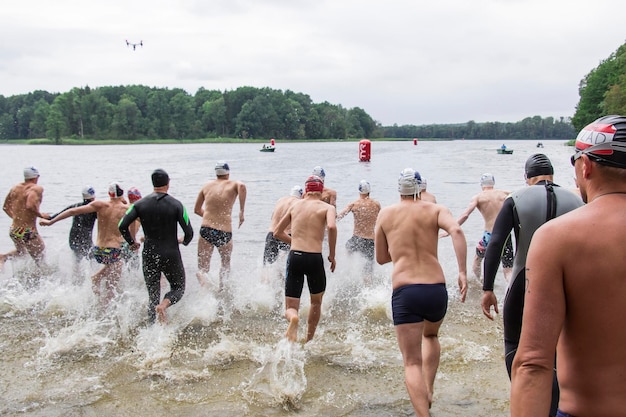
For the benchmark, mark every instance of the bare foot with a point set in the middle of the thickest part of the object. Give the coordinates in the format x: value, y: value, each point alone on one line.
x: 292, y: 330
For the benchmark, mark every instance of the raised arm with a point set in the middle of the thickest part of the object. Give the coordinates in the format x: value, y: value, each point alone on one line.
x: 89, y: 208
x: 345, y: 211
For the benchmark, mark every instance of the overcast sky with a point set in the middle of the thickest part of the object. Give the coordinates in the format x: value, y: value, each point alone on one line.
x: 402, y: 61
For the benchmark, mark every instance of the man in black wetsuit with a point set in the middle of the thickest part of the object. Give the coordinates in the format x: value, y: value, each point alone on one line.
x: 81, y: 232
x: 160, y: 214
x: 523, y: 212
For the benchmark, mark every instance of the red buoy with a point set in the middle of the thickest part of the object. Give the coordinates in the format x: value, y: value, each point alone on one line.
x: 414, y: 141
x: 365, y: 150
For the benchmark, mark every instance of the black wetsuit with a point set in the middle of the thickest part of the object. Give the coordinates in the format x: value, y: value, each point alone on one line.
x: 160, y: 215
x: 524, y: 212
x: 81, y: 233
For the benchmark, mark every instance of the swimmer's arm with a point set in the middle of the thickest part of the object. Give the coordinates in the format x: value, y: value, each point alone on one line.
x: 380, y: 242
x: 242, y: 191
x: 197, y: 209
x: 125, y: 223
x: 185, y: 223
x: 450, y: 225
x: 472, y: 206
x: 331, y: 225
x: 345, y: 211
x: 281, y: 227
x: 33, y: 202
x: 89, y: 208
x: 333, y: 199
x: 8, y: 203
x: 544, y: 315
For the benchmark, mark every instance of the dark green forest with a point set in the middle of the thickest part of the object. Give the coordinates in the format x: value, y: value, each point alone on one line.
x: 139, y: 112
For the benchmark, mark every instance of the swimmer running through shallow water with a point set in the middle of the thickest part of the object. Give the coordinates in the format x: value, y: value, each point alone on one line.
x: 308, y: 220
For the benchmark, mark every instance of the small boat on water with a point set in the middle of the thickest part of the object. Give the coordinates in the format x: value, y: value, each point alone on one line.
x: 267, y: 148
x: 540, y: 144
x: 505, y: 151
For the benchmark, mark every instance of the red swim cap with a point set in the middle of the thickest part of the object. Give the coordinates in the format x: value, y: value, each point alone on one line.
x: 314, y: 184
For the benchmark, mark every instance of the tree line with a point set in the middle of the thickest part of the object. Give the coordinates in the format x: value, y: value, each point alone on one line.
x: 141, y: 112
x: 603, y: 90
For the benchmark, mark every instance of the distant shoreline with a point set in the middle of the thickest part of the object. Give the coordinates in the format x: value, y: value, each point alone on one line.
x: 72, y: 142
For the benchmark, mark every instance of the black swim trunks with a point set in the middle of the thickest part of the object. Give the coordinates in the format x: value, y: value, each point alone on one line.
x: 418, y: 302
x: 215, y: 237
x: 361, y: 245
x: 300, y: 264
x: 272, y: 246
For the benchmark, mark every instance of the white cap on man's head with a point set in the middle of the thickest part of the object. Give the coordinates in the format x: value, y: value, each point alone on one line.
x: 364, y: 187
x: 89, y: 193
x: 319, y: 172
x: 30, y: 173
x: 115, y: 190
x: 222, y: 168
x: 487, y: 180
x: 296, y: 191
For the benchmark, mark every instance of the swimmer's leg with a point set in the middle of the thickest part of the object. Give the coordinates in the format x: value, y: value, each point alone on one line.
x: 205, y: 250
x: 314, y: 315
x: 476, y: 266
x: 292, y: 306
x: 160, y: 310
x: 225, y: 252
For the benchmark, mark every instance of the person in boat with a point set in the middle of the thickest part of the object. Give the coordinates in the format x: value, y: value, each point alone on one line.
x: 308, y: 220
x: 214, y: 204
x: 523, y: 211
x: 406, y: 234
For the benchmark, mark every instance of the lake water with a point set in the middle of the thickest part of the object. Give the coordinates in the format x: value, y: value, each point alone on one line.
x: 226, y: 356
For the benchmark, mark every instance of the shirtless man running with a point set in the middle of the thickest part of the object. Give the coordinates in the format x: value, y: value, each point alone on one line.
x: 215, y: 204
x: 108, y: 241
x: 407, y: 234
x: 365, y: 210
x: 308, y: 219
x: 488, y: 202
x: 22, y: 205
x: 273, y: 245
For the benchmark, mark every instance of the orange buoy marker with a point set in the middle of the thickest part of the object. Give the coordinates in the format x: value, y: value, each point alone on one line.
x: 272, y: 142
x: 365, y: 150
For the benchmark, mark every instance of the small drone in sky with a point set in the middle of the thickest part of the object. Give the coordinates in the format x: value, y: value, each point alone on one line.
x: 134, y: 45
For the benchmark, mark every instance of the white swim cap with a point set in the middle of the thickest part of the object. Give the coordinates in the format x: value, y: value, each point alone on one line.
x: 222, y: 168
x: 30, y: 173
x: 408, y: 183
x: 296, y: 191
x: 422, y: 184
x: 487, y: 180
x: 115, y: 190
x: 364, y: 187
x: 89, y: 193
x: 318, y: 171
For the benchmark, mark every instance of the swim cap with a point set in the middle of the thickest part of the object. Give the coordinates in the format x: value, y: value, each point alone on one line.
x: 408, y: 183
x: 296, y: 191
x: 222, y: 168
x: 605, y: 140
x: 160, y: 178
x: 364, y: 187
x: 115, y: 190
x: 487, y: 180
x: 318, y: 171
x: 133, y: 194
x: 422, y: 183
x: 538, y: 164
x: 314, y: 184
x: 89, y: 193
x: 30, y: 173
